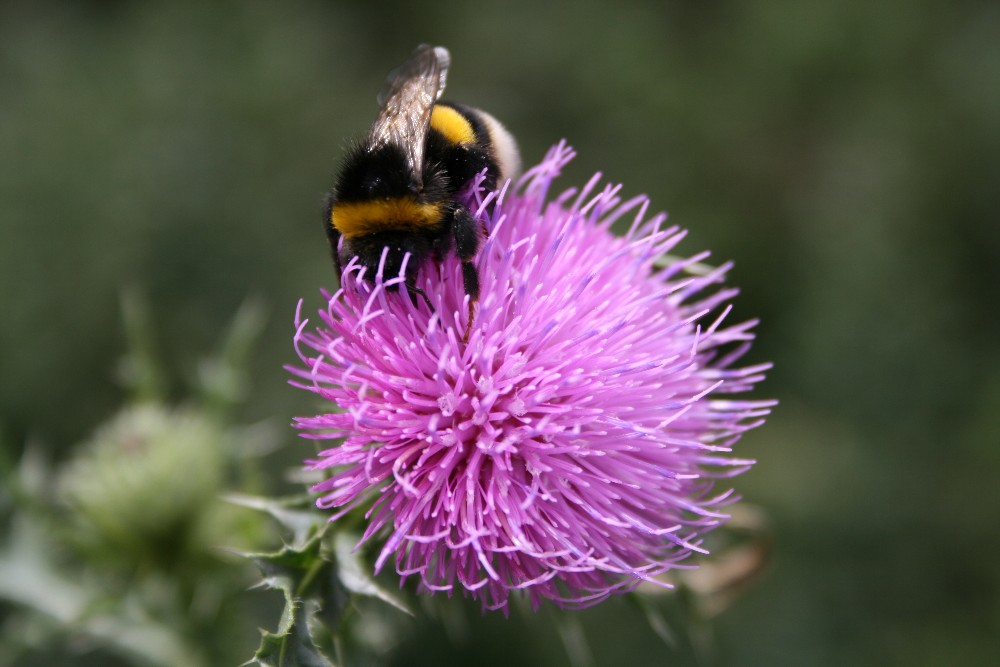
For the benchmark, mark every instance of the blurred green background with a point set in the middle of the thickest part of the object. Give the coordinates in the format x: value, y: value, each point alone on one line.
x: 846, y: 155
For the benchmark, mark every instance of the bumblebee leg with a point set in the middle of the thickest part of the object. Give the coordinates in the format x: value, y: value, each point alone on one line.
x: 413, y: 291
x: 467, y: 241
x: 470, y: 277
x: 467, y: 234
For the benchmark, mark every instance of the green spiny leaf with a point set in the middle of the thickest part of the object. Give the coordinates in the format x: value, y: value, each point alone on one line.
x: 295, y: 513
x: 354, y: 573
x: 307, y: 579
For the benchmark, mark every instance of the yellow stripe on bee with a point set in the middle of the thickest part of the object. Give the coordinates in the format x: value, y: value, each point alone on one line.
x: 452, y: 125
x: 353, y: 219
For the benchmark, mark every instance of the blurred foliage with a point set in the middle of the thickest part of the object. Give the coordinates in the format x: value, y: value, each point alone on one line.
x: 846, y: 155
x: 328, y: 588
x: 114, y: 555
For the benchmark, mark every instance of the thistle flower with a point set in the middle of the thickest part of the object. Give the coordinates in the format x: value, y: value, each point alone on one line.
x: 570, y: 447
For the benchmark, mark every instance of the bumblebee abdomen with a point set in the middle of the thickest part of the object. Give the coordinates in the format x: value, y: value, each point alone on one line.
x: 453, y: 125
x: 504, y: 147
x: 466, y: 140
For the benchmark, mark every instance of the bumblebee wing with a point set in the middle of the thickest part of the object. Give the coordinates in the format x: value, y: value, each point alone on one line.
x: 406, y: 102
x: 427, y: 65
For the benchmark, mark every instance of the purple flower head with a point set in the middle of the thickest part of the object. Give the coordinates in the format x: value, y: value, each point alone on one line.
x: 570, y: 447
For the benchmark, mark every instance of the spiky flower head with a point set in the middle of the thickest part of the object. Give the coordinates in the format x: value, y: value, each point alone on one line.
x: 142, y: 489
x: 569, y: 448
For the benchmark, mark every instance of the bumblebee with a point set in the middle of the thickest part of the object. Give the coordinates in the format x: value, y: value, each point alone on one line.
x: 396, y: 191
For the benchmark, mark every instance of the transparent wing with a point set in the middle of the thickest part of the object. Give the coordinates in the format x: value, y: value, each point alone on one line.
x: 406, y: 102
